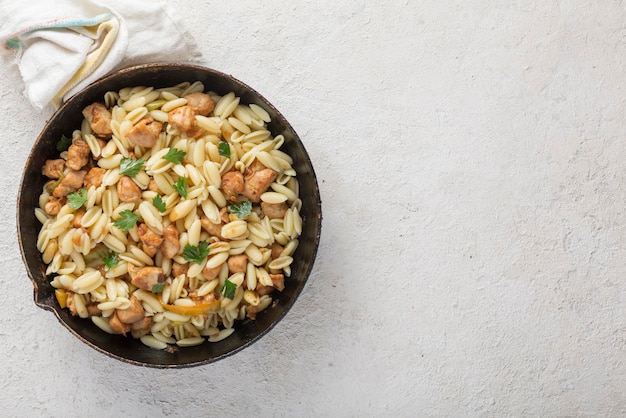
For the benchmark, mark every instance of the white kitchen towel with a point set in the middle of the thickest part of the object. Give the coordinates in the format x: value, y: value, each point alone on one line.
x: 62, y: 46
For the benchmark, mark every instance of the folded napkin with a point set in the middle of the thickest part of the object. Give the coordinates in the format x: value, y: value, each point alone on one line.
x: 62, y: 46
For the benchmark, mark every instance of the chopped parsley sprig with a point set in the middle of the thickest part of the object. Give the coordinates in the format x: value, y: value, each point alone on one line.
x: 175, y: 155
x: 77, y: 199
x: 130, y: 166
x: 196, y: 254
x: 126, y: 221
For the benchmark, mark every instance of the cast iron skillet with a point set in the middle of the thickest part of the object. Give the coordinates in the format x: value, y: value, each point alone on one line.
x: 130, y: 350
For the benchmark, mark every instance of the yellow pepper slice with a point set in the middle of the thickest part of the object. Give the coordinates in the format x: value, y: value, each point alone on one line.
x: 199, y: 309
x: 61, y: 296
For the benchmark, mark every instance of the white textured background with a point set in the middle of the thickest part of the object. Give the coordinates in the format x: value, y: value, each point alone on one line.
x: 472, y: 166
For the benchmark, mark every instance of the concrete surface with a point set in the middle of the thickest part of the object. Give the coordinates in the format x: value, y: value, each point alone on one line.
x: 471, y: 160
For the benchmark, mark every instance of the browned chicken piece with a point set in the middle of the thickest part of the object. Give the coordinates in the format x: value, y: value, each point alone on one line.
x: 145, y: 132
x: 53, y: 168
x: 78, y: 154
x: 201, y: 103
x: 118, y: 326
x: 128, y: 191
x: 257, y: 183
x: 182, y: 118
x: 131, y: 314
x: 274, y: 210
x: 210, y: 297
x: 151, y: 240
x: 237, y: 263
x: 146, y: 277
x: 263, y: 290
x: 92, y: 309
x: 251, y: 311
x: 210, y: 227
x: 179, y: 269
x: 279, y: 281
x: 232, y: 185
x: 54, y: 205
x: 69, y: 302
x: 142, y: 325
x: 224, y: 215
x: 94, y: 177
x: 99, y: 119
x: 71, y: 182
x: 152, y: 185
x: 211, y: 273
x: 171, y: 244
x: 276, y: 250
x: 78, y: 216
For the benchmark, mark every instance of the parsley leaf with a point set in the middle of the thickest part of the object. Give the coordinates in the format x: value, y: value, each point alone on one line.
x: 64, y: 143
x: 130, y: 167
x: 228, y: 290
x: 110, y: 260
x: 224, y: 149
x: 241, y: 210
x: 158, y: 203
x: 126, y: 221
x: 175, y: 155
x: 196, y: 254
x: 181, y: 187
x: 77, y: 199
x: 158, y: 288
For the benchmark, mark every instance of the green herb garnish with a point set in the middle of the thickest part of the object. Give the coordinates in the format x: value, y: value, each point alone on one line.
x: 158, y: 203
x: 241, y: 210
x: 175, y: 155
x: 77, y: 199
x: 64, y: 143
x: 181, y: 187
x: 224, y: 149
x: 130, y: 166
x: 157, y: 288
x: 196, y: 254
x: 110, y: 260
x: 126, y: 221
x: 228, y: 290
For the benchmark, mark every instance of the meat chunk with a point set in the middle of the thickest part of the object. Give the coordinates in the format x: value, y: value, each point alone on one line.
x: 99, y: 119
x: 78, y: 216
x: 78, y: 154
x: 54, y: 205
x: 232, y: 184
x: 71, y: 182
x: 69, y: 302
x: 276, y: 249
x: 131, y: 314
x: 182, y: 118
x: 151, y: 240
x: 210, y: 227
x: 278, y: 281
x: 171, y: 244
x: 146, y: 277
x: 201, y: 103
x: 94, y: 177
x: 237, y: 263
x: 179, y: 269
x: 152, y: 185
x: 257, y: 181
x: 142, y: 325
x: 274, y: 210
x: 127, y: 190
x: 118, y: 326
x: 145, y: 132
x: 264, y: 290
x: 53, y: 168
x: 93, y: 310
x: 211, y: 273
